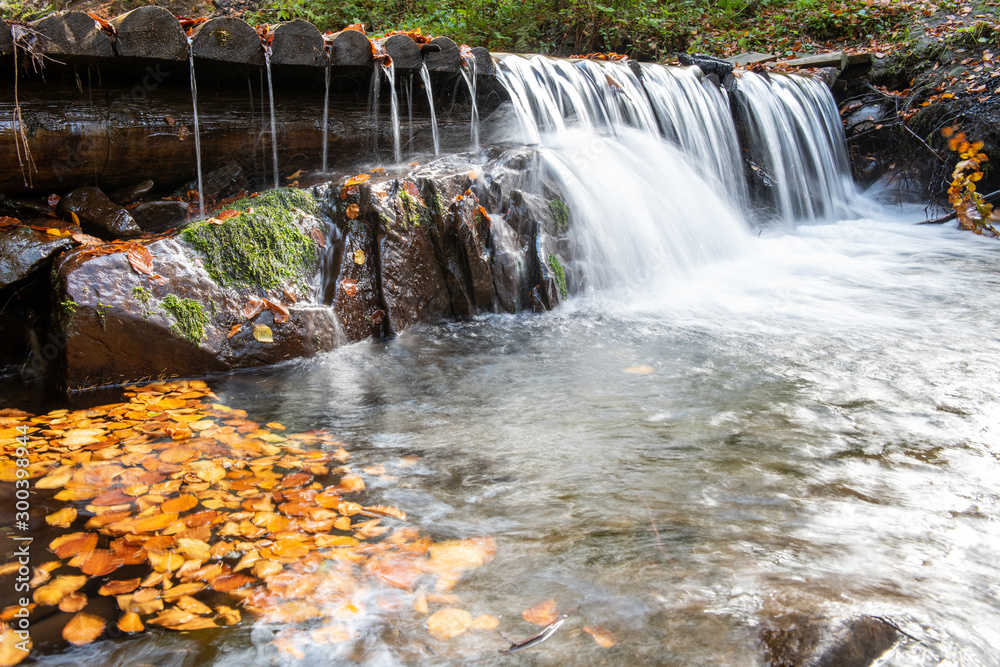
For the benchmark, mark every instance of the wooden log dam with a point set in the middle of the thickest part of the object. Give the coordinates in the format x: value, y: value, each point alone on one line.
x: 110, y: 103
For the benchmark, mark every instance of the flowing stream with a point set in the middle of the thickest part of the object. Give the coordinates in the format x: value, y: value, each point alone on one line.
x: 197, y: 130
x: 425, y: 76
x: 732, y: 423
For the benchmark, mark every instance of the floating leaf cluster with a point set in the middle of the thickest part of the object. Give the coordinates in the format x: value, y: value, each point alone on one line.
x: 189, y: 514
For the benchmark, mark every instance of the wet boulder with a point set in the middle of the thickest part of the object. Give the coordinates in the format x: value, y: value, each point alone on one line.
x: 413, y: 285
x: 97, y: 214
x: 216, y: 297
x: 801, y: 640
x: 159, y: 215
x: 24, y: 250
x: 132, y: 193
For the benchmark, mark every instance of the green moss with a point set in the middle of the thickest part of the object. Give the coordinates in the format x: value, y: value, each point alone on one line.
x: 411, y: 209
x: 190, y: 316
x: 560, y: 275
x: 67, y: 311
x: 561, y: 214
x: 259, y: 249
x: 143, y: 296
x: 102, y: 314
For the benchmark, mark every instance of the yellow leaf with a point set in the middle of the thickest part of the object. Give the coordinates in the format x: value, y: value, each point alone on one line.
x: 263, y: 333
x: 12, y: 647
x: 601, y: 635
x: 83, y: 629
x: 62, y: 518
x: 359, y: 256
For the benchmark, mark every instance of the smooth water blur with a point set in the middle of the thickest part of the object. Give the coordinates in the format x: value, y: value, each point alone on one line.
x: 819, y: 434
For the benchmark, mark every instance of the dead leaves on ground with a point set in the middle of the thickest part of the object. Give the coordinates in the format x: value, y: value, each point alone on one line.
x: 213, y: 503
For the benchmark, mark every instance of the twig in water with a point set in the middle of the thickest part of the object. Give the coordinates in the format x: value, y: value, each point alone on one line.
x: 923, y: 142
x: 549, y: 630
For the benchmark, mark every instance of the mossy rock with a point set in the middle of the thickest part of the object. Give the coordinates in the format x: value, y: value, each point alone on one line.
x: 263, y: 247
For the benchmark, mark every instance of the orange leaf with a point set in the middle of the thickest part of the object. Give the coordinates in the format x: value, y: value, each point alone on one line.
x: 119, y: 587
x: 83, y: 629
x: 543, y: 613
x: 62, y: 518
x: 130, y: 622
x: 449, y: 622
x: 179, y: 504
x: 358, y: 180
x: 601, y: 635
x: 73, y: 602
x: 98, y: 562
x: 485, y: 622
x: 350, y: 287
x: 140, y: 259
x: 281, y: 313
x: 13, y: 649
x: 351, y: 483
x: 352, y: 211
x: 71, y: 544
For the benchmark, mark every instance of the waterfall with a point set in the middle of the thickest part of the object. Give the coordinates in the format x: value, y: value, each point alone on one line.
x: 469, y: 74
x: 274, y: 128
x: 789, y: 123
x: 409, y: 111
x: 793, y: 130
x: 425, y: 76
x: 326, y: 115
x: 390, y: 73
x: 373, y: 105
x: 197, y: 131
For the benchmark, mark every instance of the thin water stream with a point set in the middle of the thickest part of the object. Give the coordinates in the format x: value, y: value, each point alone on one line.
x: 425, y: 76
x: 274, y: 127
x: 197, y: 130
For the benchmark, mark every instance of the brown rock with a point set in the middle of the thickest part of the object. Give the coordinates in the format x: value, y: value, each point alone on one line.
x: 97, y: 214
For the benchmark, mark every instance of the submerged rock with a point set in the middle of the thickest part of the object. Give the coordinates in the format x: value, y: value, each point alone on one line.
x: 800, y: 640
x: 97, y: 213
x: 131, y: 194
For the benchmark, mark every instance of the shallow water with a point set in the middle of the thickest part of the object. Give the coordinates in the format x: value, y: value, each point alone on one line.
x: 818, y: 434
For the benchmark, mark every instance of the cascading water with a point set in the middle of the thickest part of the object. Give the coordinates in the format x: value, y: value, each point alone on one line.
x: 274, y: 127
x: 469, y: 74
x: 651, y: 167
x: 197, y: 130
x: 326, y: 114
x: 425, y: 76
x: 793, y: 130
x: 373, y: 105
x: 409, y: 111
x: 390, y: 74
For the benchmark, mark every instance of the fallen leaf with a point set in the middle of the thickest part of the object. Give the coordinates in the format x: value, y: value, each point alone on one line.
x: 263, y: 333
x: 601, y: 635
x: 349, y: 286
x: 130, y: 622
x: 83, y: 629
x: 485, y: 622
x: 177, y: 619
x: 13, y: 649
x: 543, y: 613
x: 71, y: 544
x: 359, y: 256
x: 358, y: 180
x: 281, y: 313
x: 62, y: 518
x: 227, y: 614
x: 86, y: 239
x: 449, y: 622
x: 73, y: 602
x: 140, y: 259
x: 640, y: 370
x: 119, y: 587
x: 352, y: 211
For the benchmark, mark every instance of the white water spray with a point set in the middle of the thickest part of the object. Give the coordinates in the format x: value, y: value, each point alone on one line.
x: 390, y: 73
x: 469, y: 74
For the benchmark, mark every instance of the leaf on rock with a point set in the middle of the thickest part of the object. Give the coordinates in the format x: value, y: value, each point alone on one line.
x: 358, y: 180
x: 352, y: 211
x: 281, y: 313
x: 349, y: 286
x: 263, y: 333
x: 359, y: 257
x: 601, y: 635
x: 447, y: 623
x: 140, y: 259
x: 83, y: 629
x: 543, y: 613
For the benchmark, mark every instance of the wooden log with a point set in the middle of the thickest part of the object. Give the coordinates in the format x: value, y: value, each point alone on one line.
x: 227, y: 39
x: 350, y: 49
x: 150, y: 32
x: 752, y: 58
x: 448, y: 59
x: 6, y: 40
x: 73, y: 37
x: 298, y: 42
x: 838, y: 60
x: 484, y: 62
x: 122, y: 138
x: 405, y: 53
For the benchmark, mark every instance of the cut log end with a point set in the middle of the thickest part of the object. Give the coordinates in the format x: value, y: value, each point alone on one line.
x: 448, y: 59
x: 351, y: 49
x: 227, y: 39
x: 150, y: 32
x: 74, y: 36
x: 405, y: 53
x: 298, y: 42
